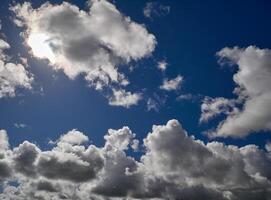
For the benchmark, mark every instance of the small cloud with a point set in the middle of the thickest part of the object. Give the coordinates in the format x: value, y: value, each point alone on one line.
x: 189, y: 97
x: 172, y: 84
x: 52, y: 142
x: 162, y: 65
x: 154, y: 9
x: 124, y: 99
x: 185, y: 97
x: 20, y: 125
x: 212, y: 107
x: 152, y: 105
x: 135, y: 145
x: 73, y: 137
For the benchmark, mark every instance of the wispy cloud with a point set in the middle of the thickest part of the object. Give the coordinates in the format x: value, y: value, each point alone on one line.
x: 155, y: 9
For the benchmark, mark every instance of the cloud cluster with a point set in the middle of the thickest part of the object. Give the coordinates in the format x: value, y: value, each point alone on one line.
x: 12, y: 75
x: 94, y: 43
x: 174, y: 166
x: 251, y: 110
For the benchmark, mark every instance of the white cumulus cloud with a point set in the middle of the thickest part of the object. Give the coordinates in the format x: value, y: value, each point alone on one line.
x: 250, y: 112
x: 12, y: 75
x: 93, y: 42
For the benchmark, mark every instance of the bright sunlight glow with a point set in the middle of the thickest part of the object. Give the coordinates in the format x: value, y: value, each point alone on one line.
x: 40, y: 46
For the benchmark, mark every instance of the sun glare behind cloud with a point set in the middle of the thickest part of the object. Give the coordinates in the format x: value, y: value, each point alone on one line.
x: 39, y: 44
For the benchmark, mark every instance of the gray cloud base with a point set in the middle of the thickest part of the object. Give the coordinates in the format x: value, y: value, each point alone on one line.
x: 174, y: 166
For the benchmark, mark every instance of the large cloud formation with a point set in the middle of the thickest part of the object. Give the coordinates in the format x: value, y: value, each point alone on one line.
x: 93, y: 43
x: 12, y: 75
x: 251, y: 110
x: 174, y: 166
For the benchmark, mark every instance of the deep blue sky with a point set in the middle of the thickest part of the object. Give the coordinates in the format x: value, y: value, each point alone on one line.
x: 188, y: 38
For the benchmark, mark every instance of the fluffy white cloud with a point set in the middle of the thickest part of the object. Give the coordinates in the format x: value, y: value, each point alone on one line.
x: 12, y: 75
x: 196, y: 169
x: 125, y: 99
x: 119, y: 139
x: 73, y: 137
x: 172, y: 84
x: 93, y: 43
x: 173, y: 166
x: 252, y: 107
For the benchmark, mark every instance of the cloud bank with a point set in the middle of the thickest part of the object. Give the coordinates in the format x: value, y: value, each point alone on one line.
x: 174, y: 165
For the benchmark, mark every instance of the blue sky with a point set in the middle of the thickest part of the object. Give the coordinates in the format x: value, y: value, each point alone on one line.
x: 187, y: 34
x: 188, y: 38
